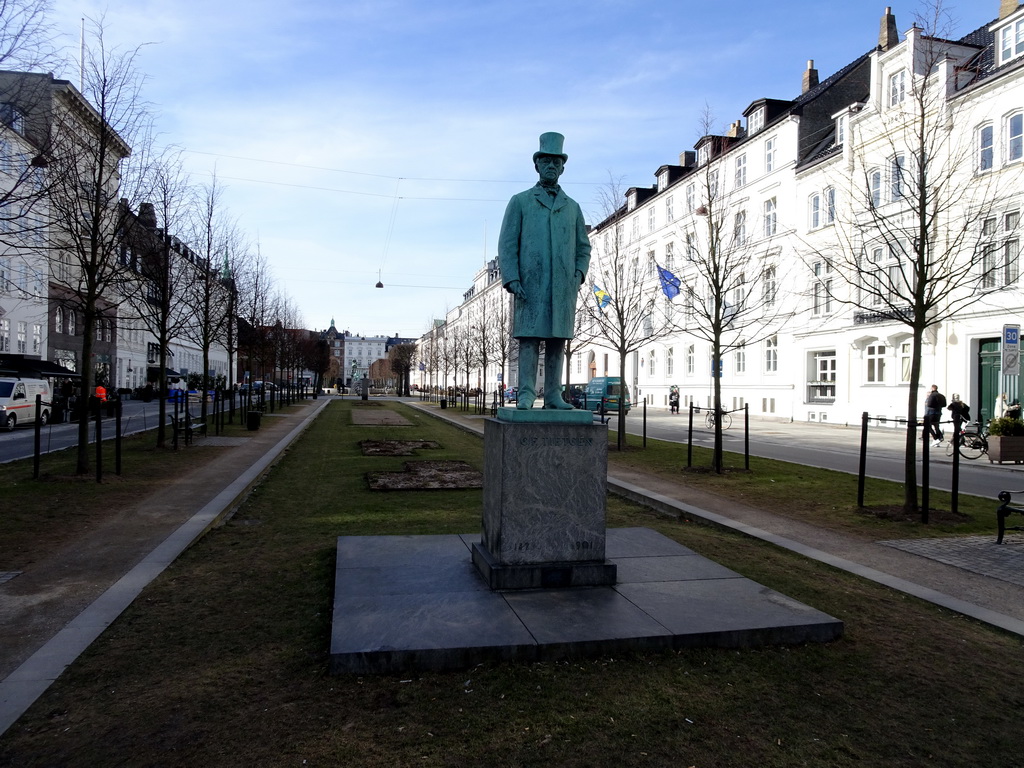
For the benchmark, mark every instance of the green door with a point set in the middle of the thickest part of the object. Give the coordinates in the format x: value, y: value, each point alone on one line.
x: 988, y: 378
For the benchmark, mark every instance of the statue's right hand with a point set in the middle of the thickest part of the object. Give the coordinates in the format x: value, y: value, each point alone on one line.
x: 516, y: 289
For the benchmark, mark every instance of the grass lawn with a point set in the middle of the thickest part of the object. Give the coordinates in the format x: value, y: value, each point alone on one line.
x: 817, y: 496
x: 222, y: 661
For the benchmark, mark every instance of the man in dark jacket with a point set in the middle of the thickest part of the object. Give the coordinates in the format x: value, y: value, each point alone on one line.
x: 543, y: 255
x: 933, y: 405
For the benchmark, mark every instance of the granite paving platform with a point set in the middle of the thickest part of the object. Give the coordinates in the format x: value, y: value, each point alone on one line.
x: 416, y: 603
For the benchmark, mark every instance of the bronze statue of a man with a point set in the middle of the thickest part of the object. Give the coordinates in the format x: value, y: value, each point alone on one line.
x: 543, y: 254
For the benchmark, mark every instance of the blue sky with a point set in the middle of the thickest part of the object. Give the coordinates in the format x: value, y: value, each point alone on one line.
x: 357, y: 138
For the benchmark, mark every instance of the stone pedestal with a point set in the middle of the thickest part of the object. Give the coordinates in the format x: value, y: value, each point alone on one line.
x: 544, y: 504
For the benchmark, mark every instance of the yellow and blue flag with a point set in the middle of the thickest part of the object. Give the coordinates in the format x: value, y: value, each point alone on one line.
x: 602, y: 296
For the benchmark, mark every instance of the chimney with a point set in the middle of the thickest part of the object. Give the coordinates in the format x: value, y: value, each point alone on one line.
x: 735, y: 130
x: 1006, y: 7
x: 887, y: 34
x: 810, y: 76
x: 147, y: 215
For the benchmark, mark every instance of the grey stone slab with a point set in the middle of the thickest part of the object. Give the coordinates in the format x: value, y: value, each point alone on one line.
x: 726, y: 607
x: 545, y: 416
x: 673, y: 600
x: 634, y: 570
x: 373, y: 633
x: 582, y: 615
x: 641, y: 542
x: 442, y: 575
x: 368, y: 551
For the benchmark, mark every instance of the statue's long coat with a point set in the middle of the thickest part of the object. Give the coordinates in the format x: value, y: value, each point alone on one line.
x: 543, y: 243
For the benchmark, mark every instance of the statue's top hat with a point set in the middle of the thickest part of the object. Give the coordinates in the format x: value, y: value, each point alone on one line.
x: 551, y: 144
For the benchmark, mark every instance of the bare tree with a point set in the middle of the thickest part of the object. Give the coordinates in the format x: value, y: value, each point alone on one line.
x: 635, y: 312
x: 402, y: 357
x: 729, y: 278
x: 93, y: 180
x: 917, y: 243
x: 158, y: 269
x: 26, y: 36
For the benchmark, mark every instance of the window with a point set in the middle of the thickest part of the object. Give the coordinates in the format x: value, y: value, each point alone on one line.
x: 5, y: 273
x: 99, y: 329
x: 12, y: 117
x: 71, y: 322
x: 769, y: 154
x: 1000, y: 255
x: 670, y: 214
x: 769, y: 287
x: 689, y: 306
x: 875, y: 356
x: 897, y: 88
x: 650, y: 264
x: 770, y: 217
x: 691, y: 191
x: 703, y: 154
x: 1015, y: 137
x: 635, y: 227
x: 691, y: 246
x: 822, y: 387
x: 841, y: 129
x: 22, y: 337
x: 1011, y: 41
x: 906, y: 358
x: 741, y: 171
x: 58, y: 320
x: 896, y: 178
x: 830, y: 205
x: 814, y: 210
x: 651, y: 364
x: 5, y: 335
x: 739, y: 229
x: 875, y: 187
x: 650, y: 219
x: 985, y: 148
x: 739, y: 296
x: 579, y: 362
x: 756, y: 120
x: 691, y: 360
x: 670, y: 361
x: 712, y: 186
x: 741, y: 358
x: 670, y: 257
x: 37, y: 338
x: 771, y: 354
x: 821, y: 291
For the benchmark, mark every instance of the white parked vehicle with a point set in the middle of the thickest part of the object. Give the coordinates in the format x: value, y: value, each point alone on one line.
x: 18, y: 401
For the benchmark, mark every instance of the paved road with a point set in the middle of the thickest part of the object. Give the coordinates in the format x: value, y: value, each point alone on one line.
x: 833, y: 447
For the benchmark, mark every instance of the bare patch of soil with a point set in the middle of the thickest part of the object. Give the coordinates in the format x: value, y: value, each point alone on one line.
x: 395, y: 447
x: 896, y: 513
x: 427, y: 475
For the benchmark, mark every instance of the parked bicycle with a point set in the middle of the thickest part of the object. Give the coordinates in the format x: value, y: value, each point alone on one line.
x: 709, y: 421
x: 972, y: 441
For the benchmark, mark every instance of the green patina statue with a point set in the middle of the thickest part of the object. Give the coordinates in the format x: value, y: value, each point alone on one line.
x: 543, y: 254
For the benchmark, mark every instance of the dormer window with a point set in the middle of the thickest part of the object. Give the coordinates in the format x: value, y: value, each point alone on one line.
x: 1011, y: 41
x: 756, y: 120
x: 897, y: 88
x: 702, y: 155
x: 662, y: 180
x: 841, y: 129
x: 12, y: 117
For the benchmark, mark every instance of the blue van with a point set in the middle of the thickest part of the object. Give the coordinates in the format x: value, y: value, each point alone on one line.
x: 611, y: 391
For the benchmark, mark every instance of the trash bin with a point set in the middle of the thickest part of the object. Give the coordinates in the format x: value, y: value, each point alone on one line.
x: 252, y: 420
x: 444, y: 403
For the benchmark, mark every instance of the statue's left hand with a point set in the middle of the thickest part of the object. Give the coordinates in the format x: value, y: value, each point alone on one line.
x: 580, y: 277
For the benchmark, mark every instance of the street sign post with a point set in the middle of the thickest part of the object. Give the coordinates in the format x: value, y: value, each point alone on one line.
x: 1011, y: 350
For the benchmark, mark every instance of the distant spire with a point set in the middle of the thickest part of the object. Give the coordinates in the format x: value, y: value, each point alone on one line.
x: 332, y: 322
x: 226, y: 269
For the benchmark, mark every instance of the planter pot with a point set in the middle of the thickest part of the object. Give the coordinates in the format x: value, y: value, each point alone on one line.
x: 1003, y: 448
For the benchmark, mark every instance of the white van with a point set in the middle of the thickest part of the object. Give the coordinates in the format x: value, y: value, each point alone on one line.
x: 18, y: 401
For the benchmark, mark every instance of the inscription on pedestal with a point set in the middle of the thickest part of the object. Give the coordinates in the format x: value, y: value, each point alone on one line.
x: 544, y: 493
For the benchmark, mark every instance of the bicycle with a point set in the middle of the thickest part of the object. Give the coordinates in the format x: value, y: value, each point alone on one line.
x: 709, y: 421
x: 971, y: 442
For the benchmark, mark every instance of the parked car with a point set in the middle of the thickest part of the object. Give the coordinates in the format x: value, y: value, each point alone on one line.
x: 608, y: 390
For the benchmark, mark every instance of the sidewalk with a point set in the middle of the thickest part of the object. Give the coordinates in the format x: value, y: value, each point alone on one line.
x: 51, y: 613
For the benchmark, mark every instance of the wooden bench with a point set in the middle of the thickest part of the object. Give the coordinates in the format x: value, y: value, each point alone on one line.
x: 1005, y: 510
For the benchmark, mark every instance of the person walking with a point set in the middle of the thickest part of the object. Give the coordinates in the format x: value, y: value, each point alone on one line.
x: 933, y: 405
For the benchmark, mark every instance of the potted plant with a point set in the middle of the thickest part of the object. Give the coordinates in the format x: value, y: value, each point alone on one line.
x: 1006, y: 440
